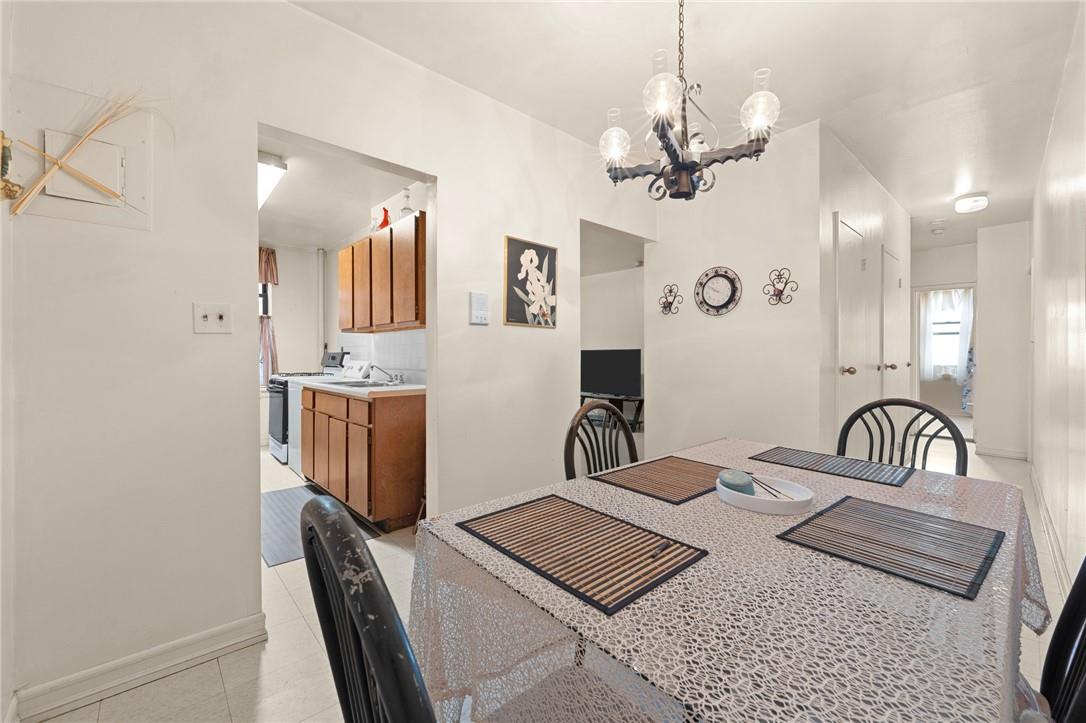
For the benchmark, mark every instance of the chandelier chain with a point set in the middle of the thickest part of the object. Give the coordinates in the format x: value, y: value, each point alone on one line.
x: 681, y: 37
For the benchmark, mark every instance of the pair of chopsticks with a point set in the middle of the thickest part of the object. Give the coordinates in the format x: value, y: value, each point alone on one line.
x: 769, y: 488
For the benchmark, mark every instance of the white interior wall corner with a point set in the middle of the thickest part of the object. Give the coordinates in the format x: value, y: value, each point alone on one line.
x: 1058, y: 264
x: 188, y: 452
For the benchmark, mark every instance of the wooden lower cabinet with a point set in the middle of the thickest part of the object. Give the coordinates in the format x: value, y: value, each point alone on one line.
x: 320, y: 449
x: 358, y: 469
x: 371, y: 454
x: 307, y: 442
x: 337, y: 458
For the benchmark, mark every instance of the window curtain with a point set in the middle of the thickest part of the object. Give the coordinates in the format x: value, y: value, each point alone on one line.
x: 965, y: 333
x: 942, y: 305
x: 267, y: 350
x: 925, y: 338
x: 268, y: 272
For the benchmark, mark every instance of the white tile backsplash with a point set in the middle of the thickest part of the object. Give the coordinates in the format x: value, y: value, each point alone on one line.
x: 400, y: 352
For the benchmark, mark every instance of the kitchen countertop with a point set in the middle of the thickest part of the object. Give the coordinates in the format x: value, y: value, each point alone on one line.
x: 398, y: 390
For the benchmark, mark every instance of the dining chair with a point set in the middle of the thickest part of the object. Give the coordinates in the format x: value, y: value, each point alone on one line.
x: 377, y: 677
x: 918, y: 421
x: 601, y: 431
x: 1063, y: 679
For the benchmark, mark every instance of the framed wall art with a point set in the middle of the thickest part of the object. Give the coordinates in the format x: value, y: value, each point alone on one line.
x: 531, y: 284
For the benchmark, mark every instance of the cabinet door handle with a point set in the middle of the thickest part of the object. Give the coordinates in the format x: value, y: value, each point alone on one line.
x: 890, y: 366
x: 848, y: 370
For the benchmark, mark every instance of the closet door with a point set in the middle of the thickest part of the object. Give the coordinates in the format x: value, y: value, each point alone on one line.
x: 895, y: 364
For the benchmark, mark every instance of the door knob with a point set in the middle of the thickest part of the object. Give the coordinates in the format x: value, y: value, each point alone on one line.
x: 848, y: 370
x: 890, y: 366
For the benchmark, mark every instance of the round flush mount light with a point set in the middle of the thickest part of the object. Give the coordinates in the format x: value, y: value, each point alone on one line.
x: 971, y: 203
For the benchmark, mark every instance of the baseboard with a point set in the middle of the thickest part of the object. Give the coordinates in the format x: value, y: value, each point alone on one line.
x: 11, y: 715
x: 997, y: 452
x: 40, y: 702
x: 1063, y: 573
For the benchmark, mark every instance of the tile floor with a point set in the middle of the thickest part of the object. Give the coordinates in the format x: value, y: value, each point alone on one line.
x: 287, y: 680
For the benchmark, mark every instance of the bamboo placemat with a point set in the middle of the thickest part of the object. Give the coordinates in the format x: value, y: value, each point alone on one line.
x: 945, y: 554
x: 604, y: 561
x: 885, y: 474
x: 671, y: 479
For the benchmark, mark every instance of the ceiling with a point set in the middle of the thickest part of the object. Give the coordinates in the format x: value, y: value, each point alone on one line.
x: 936, y: 99
x: 326, y: 195
x: 604, y: 249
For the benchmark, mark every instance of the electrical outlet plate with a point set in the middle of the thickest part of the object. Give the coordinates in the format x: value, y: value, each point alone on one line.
x: 212, y: 318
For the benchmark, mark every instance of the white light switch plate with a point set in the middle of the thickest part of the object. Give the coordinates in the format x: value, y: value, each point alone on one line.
x: 479, y: 308
x: 212, y: 319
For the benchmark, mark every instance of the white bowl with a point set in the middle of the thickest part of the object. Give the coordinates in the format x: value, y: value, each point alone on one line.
x: 762, y: 501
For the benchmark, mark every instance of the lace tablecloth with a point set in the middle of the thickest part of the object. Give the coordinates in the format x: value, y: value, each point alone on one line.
x: 758, y: 630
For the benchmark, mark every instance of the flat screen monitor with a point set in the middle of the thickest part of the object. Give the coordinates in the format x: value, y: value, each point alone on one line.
x: 611, y: 371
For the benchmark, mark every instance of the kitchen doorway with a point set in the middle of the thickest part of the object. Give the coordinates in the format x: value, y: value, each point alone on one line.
x: 345, y: 280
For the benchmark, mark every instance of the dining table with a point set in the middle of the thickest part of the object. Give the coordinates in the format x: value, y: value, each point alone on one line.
x: 758, y: 629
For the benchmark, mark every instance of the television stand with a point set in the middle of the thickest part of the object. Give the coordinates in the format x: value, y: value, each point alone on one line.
x: 618, y: 401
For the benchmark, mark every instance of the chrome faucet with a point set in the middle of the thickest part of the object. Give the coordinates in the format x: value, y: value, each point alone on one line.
x: 372, y: 366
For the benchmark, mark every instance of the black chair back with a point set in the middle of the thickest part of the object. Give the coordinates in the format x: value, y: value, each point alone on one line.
x: 377, y: 676
x: 601, y: 432
x: 1063, y: 681
x: 890, y: 443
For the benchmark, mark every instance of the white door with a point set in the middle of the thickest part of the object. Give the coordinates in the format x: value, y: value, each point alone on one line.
x: 895, y: 363
x: 858, y: 322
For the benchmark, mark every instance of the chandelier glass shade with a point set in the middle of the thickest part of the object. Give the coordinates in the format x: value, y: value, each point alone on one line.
x: 681, y: 150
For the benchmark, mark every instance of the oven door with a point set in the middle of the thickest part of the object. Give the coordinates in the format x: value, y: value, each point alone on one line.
x: 277, y: 411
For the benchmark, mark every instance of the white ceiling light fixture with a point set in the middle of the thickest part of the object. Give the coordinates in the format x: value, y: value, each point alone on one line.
x: 971, y: 202
x: 269, y: 172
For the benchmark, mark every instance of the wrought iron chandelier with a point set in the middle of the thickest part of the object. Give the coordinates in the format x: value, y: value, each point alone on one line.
x: 686, y: 153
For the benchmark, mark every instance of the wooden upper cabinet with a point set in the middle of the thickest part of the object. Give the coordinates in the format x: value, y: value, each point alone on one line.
x: 361, y: 285
x: 346, y: 297
x: 408, y: 270
x: 381, y: 277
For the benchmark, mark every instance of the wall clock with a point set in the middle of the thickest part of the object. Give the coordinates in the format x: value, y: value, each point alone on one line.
x: 717, y: 291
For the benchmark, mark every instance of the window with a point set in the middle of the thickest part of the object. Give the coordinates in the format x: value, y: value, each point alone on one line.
x: 945, y: 334
x: 263, y: 293
x: 263, y: 297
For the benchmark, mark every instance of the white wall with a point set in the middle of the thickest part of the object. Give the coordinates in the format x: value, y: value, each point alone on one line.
x: 7, y: 478
x: 848, y: 188
x: 758, y: 217
x: 945, y: 266
x: 296, y: 309
x: 155, y: 505
x: 761, y: 216
x: 612, y: 310
x: 1059, y: 315
x: 1001, y: 401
